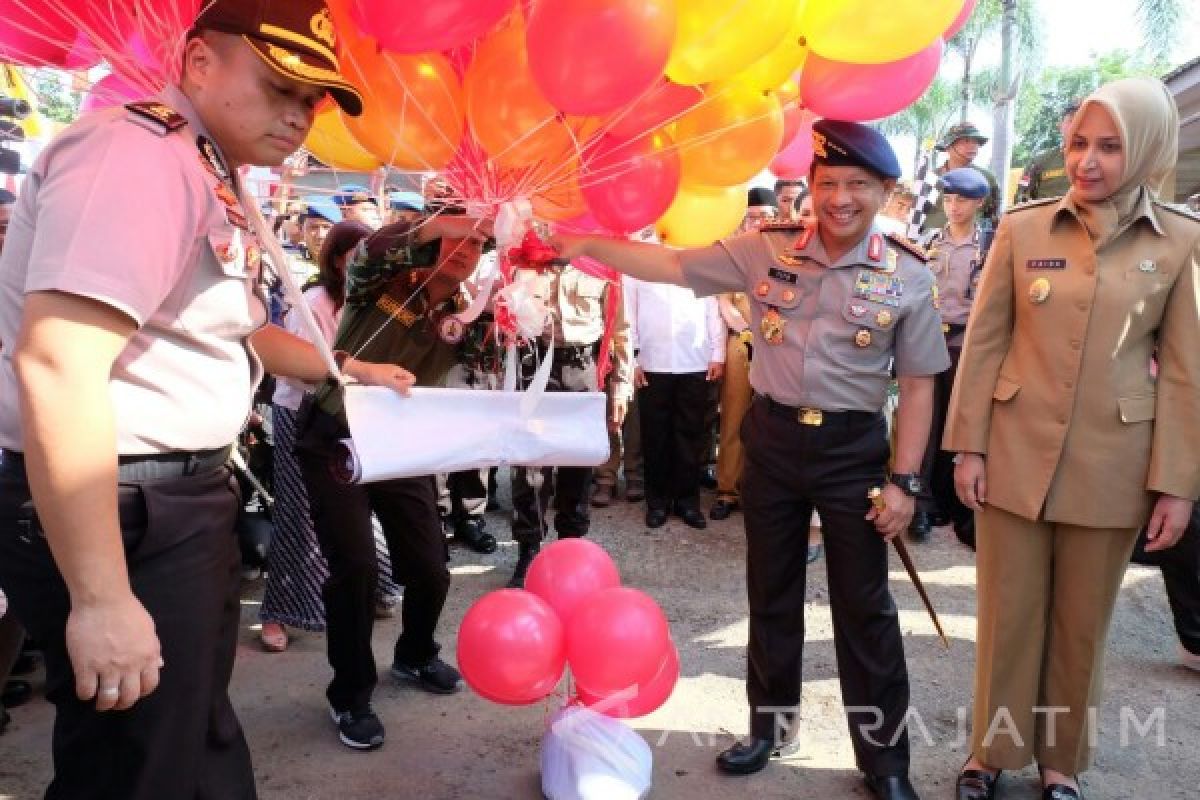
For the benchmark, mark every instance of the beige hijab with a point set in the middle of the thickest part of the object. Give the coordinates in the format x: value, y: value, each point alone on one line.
x: 1148, y: 121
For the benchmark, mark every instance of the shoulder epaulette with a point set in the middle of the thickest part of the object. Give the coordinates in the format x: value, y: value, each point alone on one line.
x: 1033, y: 204
x: 916, y: 251
x: 784, y: 226
x: 156, y: 117
x: 1182, y: 211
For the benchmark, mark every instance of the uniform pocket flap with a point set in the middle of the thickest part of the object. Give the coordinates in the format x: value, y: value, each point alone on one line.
x: 1005, y: 389
x: 1136, y: 409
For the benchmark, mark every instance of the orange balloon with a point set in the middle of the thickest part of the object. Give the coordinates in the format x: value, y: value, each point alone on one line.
x: 730, y: 136
x: 512, y: 120
x: 333, y: 144
x: 554, y: 191
x: 412, y: 105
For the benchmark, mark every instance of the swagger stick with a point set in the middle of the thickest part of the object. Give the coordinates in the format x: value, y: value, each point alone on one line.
x: 876, y: 497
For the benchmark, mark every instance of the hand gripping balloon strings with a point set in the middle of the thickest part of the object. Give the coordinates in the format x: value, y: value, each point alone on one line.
x: 875, y: 495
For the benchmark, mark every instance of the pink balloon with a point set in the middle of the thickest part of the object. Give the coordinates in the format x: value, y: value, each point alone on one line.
x: 109, y: 91
x: 593, y: 56
x: 569, y: 571
x: 657, y: 106
x: 860, y: 92
x: 34, y: 37
x: 511, y: 647
x: 961, y: 20
x: 630, y: 184
x: 645, y: 698
x: 584, y: 223
x: 793, y: 161
x: 418, y: 26
x: 615, y: 640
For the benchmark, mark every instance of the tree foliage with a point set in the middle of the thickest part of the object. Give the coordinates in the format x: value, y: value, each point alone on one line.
x: 55, y: 99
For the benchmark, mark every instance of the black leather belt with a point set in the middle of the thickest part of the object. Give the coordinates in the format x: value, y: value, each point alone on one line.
x: 156, y: 466
x: 818, y: 417
x: 952, y: 329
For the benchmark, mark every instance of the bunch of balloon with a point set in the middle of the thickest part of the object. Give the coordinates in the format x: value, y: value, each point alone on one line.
x: 514, y: 644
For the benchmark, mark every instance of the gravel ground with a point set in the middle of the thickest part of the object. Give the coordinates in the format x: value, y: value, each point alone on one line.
x: 464, y: 747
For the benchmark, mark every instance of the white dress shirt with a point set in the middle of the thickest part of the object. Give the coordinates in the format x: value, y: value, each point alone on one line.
x: 673, y: 331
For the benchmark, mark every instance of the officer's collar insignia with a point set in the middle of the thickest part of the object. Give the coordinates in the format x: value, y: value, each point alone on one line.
x: 913, y: 250
x: 875, y: 247
x: 212, y: 159
x: 804, y: 239
x: 790, y: 260
x: 162, y: 119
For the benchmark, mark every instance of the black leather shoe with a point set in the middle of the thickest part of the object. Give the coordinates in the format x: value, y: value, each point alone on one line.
x: 471, y: 533
x: 921, y: 527
x: 750, y: 756
x: 693, y: 518
x: 4, y: 720
x: 656, y: 517
x: 723, y: 508
x: 890, y: 787
x: 708, y: 477
x: 525, y: 556
x: 940, y: 518
x: 15, y: 693
x: 1060, y: 791
x: 976, y: 784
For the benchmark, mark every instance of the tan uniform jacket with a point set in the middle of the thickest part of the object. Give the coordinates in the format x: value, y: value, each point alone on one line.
x: 1060, y: 394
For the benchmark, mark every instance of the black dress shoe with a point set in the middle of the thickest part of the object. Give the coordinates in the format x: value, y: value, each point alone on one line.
x: 722, y: 509
x: 708, y: 477
x: 921, y: 526
x: 976, y: 784
x: 890, y: 787
x: 4, y: 719
x: 471, y: 533
x: 693, y: 518
x: 940, y: 518
x: 750, y: 756
x: 26, y: 663
x: 15, y: 693
x: 656, y: 517
x: 1060, y: 791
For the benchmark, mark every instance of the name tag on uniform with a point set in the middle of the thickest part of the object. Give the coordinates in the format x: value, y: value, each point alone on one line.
x: 782, y: 275
x: 1046, y: 263
x: 879, y: 287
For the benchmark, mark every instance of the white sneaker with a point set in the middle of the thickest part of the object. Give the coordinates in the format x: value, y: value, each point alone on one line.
x: 1188, y: 659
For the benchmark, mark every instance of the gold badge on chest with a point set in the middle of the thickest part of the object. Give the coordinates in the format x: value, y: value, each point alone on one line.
x: 773, y: 325
x: 863, y: 337
x: 1039, y: 291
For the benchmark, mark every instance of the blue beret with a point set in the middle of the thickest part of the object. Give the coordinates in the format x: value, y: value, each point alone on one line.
x: 406, y: 201
x: 965, y: 181
x: 323, y: 207
x: 7, y: 197
x: 351, y: 194
x: 837, y: 143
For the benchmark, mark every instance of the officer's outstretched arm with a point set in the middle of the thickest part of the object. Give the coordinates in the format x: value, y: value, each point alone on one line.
x: 647, y: 262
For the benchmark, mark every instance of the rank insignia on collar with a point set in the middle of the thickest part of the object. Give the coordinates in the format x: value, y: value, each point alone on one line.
x: 212, y: 159
x: 804, y: 239
x: 790, y: 260
x: 875, y: 247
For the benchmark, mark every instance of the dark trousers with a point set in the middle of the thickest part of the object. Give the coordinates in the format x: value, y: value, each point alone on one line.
x: 468, y: 495
x: 408, y: 513
x: 672, y: 411
x: 937, y: 466
x: 1180, y: 568
x: 790, y: 470
x: 183, y: 740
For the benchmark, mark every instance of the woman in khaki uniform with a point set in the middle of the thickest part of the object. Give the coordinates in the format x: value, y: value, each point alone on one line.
x: 1068, y: 443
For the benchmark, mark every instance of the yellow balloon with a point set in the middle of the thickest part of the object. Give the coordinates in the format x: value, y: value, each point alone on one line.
x: 700, y: 215
x: 718, y: 38
x: 876, y: 31
x: 331, y: 142
x: 730, y: 136
x: 778, y: 66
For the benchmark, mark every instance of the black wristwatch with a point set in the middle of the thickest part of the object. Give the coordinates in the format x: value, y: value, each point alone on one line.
x: 909, y: 482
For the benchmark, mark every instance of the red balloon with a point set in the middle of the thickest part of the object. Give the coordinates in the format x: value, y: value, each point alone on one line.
x: 961, y: 20
x: 640, y: 701
x: 34, y: 37
x: 423, y: 25
x: 511, y: 647
x: 661, y: 104
x: 793, y: 161
x: 630, y: 184
x: 594, y: 56
x: 615, y: 640
x: 867, y: 91
x: 569, y: 571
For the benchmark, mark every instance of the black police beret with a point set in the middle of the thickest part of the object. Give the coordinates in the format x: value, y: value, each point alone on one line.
x: 965, y: 181
x: 837, y: 143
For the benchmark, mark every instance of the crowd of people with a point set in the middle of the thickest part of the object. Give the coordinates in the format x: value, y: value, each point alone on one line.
x: 1029, y: 379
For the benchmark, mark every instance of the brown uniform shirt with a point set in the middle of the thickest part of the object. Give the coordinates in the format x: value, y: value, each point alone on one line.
x: 1055, y: 384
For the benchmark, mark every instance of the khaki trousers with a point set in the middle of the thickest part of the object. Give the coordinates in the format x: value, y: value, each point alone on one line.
x: 735, y: 401
x: 1046, y: 593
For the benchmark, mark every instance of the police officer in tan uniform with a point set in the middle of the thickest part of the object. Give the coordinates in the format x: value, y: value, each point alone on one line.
x: 835, y: 307
x: 132, y: 316
x: 1068, y: 441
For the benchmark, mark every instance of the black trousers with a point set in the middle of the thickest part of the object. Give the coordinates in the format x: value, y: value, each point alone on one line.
x: 183, y: 740
x: 672, y: 409
x: 468, y: 494
x: 937, y: 466
x: 790, y: 470
x: 408, y: 513
x: 1180, y: 568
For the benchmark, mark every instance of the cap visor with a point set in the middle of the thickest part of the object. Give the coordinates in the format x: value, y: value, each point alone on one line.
x: 310, y: 70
